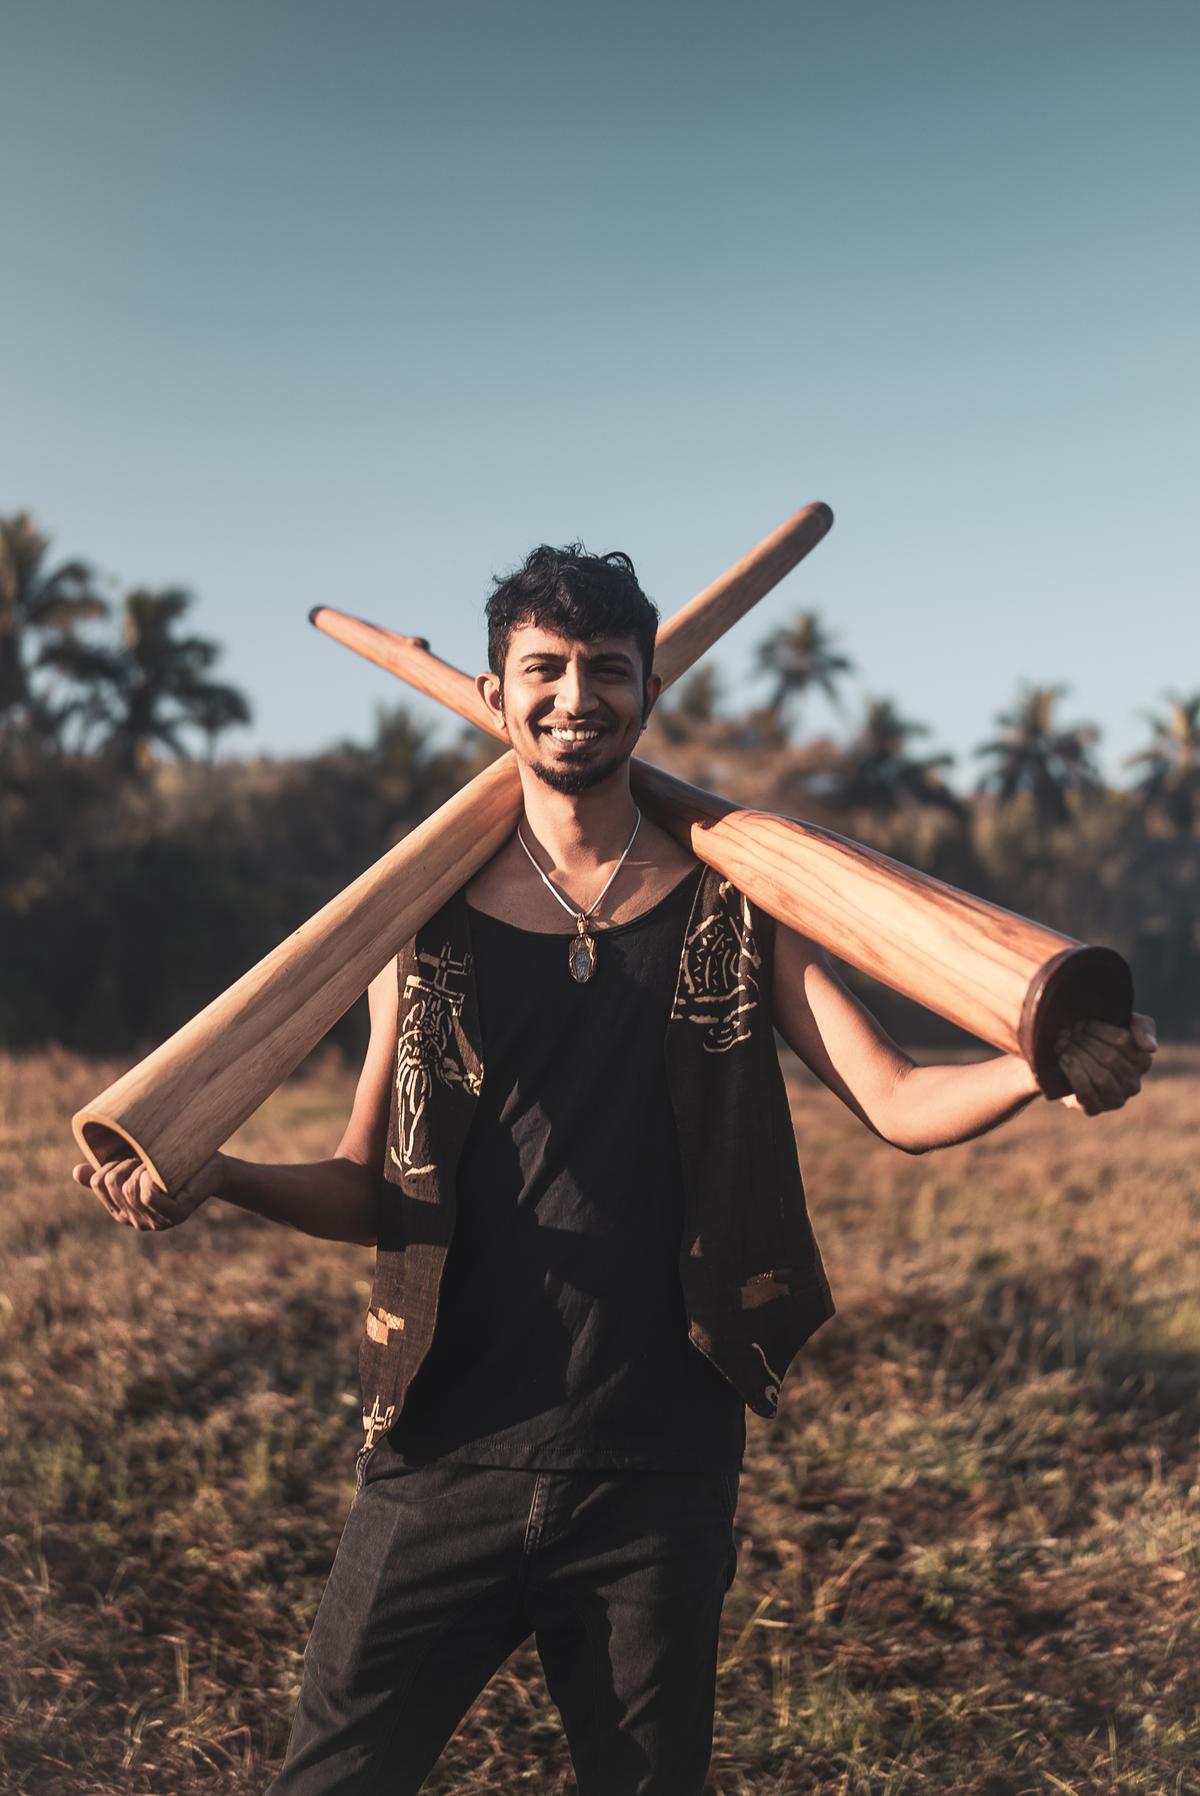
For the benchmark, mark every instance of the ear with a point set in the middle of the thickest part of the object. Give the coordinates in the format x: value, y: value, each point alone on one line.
x: 652, y: 689
x: 490, y: 688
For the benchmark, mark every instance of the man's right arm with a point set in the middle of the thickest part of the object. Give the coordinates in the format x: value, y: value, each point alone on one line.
x: 334, y: 1199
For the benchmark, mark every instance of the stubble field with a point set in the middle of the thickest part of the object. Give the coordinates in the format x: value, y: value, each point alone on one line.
x: 969, y: 1545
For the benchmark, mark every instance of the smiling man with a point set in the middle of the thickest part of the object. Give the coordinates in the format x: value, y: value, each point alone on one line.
x: 572, y: 1148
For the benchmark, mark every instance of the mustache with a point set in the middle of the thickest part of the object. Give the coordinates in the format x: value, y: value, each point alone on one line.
x: 573, y: 723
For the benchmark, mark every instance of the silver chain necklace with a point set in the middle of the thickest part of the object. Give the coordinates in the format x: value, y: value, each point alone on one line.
x: 581, y: 956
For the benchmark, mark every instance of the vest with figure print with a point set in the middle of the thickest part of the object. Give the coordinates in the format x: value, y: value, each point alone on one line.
x: 753, y: 1282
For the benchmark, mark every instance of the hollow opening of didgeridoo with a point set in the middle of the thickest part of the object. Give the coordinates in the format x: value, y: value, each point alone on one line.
x: 103, y: 1140
x: 1079, y: 985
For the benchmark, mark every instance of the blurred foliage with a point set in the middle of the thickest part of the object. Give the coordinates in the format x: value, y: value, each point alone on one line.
x: 140, y: 877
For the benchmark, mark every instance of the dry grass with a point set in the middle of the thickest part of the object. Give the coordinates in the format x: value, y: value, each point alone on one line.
x: 968, y: 1545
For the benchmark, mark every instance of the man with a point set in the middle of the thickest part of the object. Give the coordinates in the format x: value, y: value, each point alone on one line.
x: 571, y: 1146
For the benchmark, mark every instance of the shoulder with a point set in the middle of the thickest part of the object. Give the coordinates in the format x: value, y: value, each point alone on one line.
x: 659, y: 849
x: 500, y: 884
x: 727, y: 899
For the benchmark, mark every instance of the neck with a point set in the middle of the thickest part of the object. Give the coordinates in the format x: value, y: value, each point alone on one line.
x: 579, y: 832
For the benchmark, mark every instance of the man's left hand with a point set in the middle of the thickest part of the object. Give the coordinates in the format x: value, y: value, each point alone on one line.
x: 1105, y: 1064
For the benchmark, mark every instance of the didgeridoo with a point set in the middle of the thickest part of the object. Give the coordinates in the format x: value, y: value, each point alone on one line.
x: 183, y: 1101
x: 1008, y: 980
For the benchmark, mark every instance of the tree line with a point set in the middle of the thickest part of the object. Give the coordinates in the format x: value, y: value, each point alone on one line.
x: 139, y: 875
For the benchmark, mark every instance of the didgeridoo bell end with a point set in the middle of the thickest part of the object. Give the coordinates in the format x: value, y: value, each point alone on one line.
x: 101, y: 1141
x: 1082, y: 983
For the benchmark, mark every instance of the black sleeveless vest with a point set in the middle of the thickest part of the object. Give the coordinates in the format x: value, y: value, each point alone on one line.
x: 753, y: 1282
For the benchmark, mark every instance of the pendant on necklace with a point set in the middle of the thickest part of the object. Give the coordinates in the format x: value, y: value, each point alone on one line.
x: 581, y: 956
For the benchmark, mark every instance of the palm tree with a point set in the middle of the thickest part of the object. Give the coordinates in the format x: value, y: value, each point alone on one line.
x: 878, y: 774
x: 144, y: 693
x: 1036, y: 757
x: 36, y: 600
x: 213, y: 708
x: 798, y: 656
x: 1171, y: 782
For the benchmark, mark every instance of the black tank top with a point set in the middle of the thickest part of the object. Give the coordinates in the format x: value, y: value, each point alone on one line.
x: 561, y: 1338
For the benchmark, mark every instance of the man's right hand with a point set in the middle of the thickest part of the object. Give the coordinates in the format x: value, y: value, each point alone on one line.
x: 129, y: 1194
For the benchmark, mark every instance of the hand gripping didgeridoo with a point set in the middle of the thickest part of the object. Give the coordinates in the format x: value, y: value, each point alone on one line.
x: 1009, y: 981
x: 182, y: 1102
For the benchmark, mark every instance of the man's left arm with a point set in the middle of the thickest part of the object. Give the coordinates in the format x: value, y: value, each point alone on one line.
x: 918, y: 1108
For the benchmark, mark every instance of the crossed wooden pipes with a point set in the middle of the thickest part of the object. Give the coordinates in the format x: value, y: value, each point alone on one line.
x: 1007, y: 980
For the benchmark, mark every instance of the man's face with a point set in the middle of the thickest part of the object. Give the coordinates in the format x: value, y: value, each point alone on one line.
x: 574, y: 710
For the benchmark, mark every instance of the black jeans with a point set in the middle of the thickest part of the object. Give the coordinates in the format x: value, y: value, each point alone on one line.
x: 445, y: 1569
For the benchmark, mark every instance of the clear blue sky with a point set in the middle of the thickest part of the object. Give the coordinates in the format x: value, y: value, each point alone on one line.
x: 352, y: 304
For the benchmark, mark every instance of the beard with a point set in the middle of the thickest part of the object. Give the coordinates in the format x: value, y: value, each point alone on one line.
x: 574, y: 780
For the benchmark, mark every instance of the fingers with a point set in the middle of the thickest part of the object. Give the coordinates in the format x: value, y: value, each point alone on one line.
x: 87, y: 1175
x: 170, y: 1209
x: 143, y: 1199
x: 1112, y: 1032
x: 120, y: 1179
x: 1103, y: 1073
x: 106, y: 1185
x: 128, y: 1192
x: 1110, y: 1044
x: 1096, y: 1087
x: 1105, y: 1063
x: 1140, y: 1037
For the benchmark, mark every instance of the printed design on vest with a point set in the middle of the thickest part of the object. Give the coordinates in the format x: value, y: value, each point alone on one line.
x: 718, y: 977
x: 428, y: 1049
x: 376, y: 1423
x: 381, y: 1324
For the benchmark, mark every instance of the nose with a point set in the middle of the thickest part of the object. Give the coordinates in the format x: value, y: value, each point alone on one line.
x: 575, y: 696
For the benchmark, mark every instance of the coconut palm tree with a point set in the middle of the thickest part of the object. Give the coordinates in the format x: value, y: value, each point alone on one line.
x: 799, y: 656
x: 1171, y: 782
x: 213, y: 708
x: 877, y: 773
x: 154, y: 686
x: 1035, y: 756
x: 35, y: 601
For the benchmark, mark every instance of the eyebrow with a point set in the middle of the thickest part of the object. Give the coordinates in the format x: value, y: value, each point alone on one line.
x: 556, y: 655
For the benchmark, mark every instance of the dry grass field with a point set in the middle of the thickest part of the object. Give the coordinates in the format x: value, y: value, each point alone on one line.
x: 968, y: 1546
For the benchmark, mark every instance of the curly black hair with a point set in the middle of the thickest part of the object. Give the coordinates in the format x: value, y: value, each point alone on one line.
x: 582, y: 596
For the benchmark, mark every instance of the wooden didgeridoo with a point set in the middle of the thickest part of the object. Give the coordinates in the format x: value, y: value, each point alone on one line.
x: 180, y: 1103
x: 1009, y: 981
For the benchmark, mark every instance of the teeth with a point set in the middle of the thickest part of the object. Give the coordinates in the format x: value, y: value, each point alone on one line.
x: 574, y: 735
